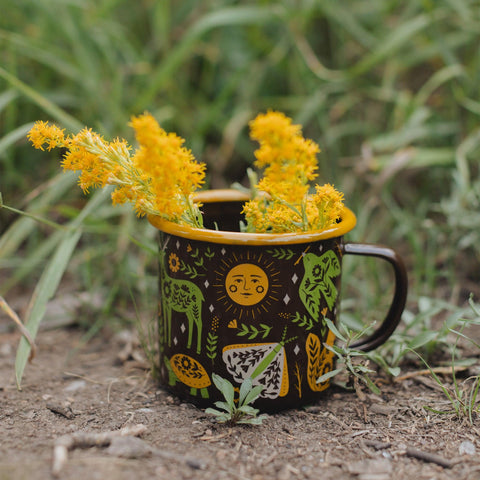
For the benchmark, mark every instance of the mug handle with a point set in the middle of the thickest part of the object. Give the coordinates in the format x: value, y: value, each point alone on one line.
x: 399, y: 298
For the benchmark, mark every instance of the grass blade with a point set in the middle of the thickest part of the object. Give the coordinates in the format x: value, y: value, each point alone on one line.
x: 398, y: 39
x: 53, y: 110
x: 44, y: 291
x: 226, y: 17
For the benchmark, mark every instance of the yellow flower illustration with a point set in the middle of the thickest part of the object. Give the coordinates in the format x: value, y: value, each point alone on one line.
x: 174, y: 262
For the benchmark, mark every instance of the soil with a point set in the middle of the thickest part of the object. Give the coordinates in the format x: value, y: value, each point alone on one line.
x: 72, y: 389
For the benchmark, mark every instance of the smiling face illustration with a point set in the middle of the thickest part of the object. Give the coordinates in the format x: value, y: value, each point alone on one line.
x: 246, y: 284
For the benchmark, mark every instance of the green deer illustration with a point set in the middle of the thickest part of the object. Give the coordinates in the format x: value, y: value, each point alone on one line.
x: 181, y: 296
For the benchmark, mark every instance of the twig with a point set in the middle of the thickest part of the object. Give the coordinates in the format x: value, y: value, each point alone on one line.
x: 440, y: 370
x: 64, y: 410
x: 429, y: 457
x: 377, y: 445
x: 120, y: 442
x: 6, y: 308
x: 85, y: 440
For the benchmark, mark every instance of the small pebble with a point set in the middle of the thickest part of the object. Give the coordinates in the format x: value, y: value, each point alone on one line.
x: 75, y: 385
x: 466, y: 448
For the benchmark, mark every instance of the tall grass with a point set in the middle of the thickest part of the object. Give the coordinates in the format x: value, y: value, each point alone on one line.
x: 388, y: 89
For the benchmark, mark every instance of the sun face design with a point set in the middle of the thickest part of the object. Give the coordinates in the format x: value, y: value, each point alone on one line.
x: 247, y: 285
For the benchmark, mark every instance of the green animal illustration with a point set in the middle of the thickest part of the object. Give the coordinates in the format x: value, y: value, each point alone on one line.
x: 318, y: 280
x: 181, y: 296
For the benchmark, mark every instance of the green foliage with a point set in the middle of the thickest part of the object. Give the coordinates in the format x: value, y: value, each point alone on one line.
x: 354, y: 362
x: 236, y: 410
x: 462, y: 396
x: 389, y: 90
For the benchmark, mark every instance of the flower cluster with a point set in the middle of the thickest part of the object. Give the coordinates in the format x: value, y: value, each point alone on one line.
x: 159, y: 178
x: 289, y: 161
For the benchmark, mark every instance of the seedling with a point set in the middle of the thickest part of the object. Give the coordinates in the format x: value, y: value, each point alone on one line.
x: 232, y: 412
x: 463, y: 398
x: 359, y: 370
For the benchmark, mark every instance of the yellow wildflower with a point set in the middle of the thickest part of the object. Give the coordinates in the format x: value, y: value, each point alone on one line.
x: 172, y: 172
x: 273, y: 128
x: 328, y: 206
x: 289, y: 163
x: 43, y: 133
x: 159, y: 178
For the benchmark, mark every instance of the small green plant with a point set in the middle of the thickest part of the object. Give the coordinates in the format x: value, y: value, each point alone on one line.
x: 355, y: 362
x: 241, y: 412
x: 462, y: 396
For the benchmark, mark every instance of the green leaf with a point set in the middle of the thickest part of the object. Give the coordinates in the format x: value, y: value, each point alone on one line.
x: 225, y: 387
x: 245, y: 388
x: 328, y: 375
x: 43, y: 292
x: 253, y: 420
x: 213, y: 411
x: 422, y: 339
x: 224, y: 406
x: 371, y: 385
x: 253, y: 394
x: 248, y: 410
x: 331, y: 326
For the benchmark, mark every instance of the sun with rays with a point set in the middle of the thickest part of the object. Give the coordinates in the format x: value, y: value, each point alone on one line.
x: 247, y: 285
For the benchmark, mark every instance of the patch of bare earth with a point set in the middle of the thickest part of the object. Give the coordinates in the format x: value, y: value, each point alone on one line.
x: 80, y: 399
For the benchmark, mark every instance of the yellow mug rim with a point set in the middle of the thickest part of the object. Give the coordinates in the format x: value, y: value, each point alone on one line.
x: 347, y: 223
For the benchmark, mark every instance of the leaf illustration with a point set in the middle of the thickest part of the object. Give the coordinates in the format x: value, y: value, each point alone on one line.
x: 281, y: 253
x: 253, y: 331
x: 303, y: 321
x: 212, y: 340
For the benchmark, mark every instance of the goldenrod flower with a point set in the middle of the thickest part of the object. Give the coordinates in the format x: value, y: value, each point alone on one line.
x: 289, y: 162
x: 42, y: 133
x: 327, y: 203
x: 159, y: 178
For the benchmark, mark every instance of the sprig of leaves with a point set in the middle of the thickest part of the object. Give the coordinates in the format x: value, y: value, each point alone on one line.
x: 355, y: 362
x: 229, y: 411
x: 253, y: 331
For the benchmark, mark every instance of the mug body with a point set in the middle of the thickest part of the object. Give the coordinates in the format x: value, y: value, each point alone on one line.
x: 246, y: 306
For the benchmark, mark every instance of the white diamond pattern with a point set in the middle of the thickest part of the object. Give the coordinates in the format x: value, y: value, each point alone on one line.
x: 206, y: 284
x: 294, y: 278
x: 211, y: 308
x: 286, y: 299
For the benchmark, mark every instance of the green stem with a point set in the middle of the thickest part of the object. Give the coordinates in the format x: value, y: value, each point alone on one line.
x: 32, y: 216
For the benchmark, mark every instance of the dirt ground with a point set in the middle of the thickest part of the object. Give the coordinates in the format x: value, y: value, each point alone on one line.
x: 74, y: 389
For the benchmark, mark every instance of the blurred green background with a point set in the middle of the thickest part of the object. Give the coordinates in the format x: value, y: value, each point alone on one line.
x: 389, y: 90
